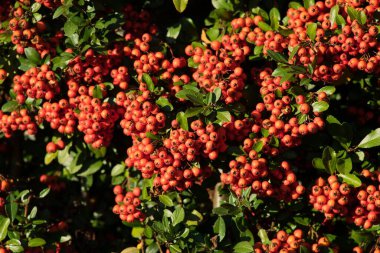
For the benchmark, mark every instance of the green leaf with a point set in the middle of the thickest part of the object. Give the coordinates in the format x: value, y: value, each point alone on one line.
x: 36, y: 242
x: 175, y: 249
x: 11, y: 207
x: 243, y: 247
x: 264, y: 26
x: 362, y: 18
x: 213, y: 33
x: 371, y: 140
x: 4, y: 224
x: 130, y: 250
x: 97, y: 92
x: 333, y: 14
x: 258, y: 146
x: 302, y: 220
x: 329, y: 90
x: 275, y: 18
x: 311, y: 31
x: 320, y: 106
x: 32, y: 55
x: 351, y: 179
x: 223, y: 116
x: 180, y: 5
x: 329, y: 160
x: 118, y: 169
x: 220, y: 228
x: 44, y: 193
x: 277, y: 57
x: 352, y: 13
x: 261, y: 12
x: 294, y: 51
x: 308, y: 3
x: 182, y: 121
x: 93, y: 168
x: 164, y: 104
x: 137, y: 232
x: 166, y: 200
x: 344, y: 166
x: 58, y: 12
x: 263, y: 236
x: 35, y: 7
x: 70, y: 28
x: 10, y: 106
x: 223, y: 4
x: 178, y: 216
x: 32, y: 213
x: 49, y: 157
x: 294, y: 5
x: 174, y: 31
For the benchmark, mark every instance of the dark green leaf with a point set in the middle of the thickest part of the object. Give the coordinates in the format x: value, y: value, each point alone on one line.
x: 329, y: 160
x: 351, y: 179
x: 164, y: 104
x: 344, y: 166
x: 32, y: 55
x: 93, y: 168
x: 275, y: 18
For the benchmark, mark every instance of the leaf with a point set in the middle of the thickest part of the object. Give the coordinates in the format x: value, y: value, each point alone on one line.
x: 264, y: 26
x: 180, y: 5
x: 311, y: 31
x: 329, y: 90
x: 4, y: 224
x: 333, y: 14
x: 222, y: 4
x: 191, y: 95
x: 263, y: 236
x: 130, y: 250
x: 213, y: 33
x: 371, y: 140
x: 32, y: 213
x: 351, y: 179
x: 277, y: 56
x: 294, y: 5
x: 10, y: 106
x: 97, y: 92
x: 164, y: 104
x: 362, y: 18
x: 118, y: 169
x: 93, y: 168
x: 320, y: 106
x: 32, y: 55
x: 258, y: 146
x: 223, y: 116
x: 329, y: 160
x: 218, y: 93
x: 352, y: 13
x: 308, y: 3
x: 166, y: 200
x: 35, y: 7
x: 49, y: 157
x: 318, y: 164
x: 182, y: 121
x: 70, y: 28
x: 11, y: 207
x: 294, y: 51
x: 275, y: 17
x: 302, y: 220
x: 220, y: 228
x: 137, y: 232
x: 58, y: 12
x: 36, y: 242
x: 178, y: 216
x: 175, y: 248
x: 44, y: 193
x: 344, y: 166
x: 243, y: 247
x: 174, y: 31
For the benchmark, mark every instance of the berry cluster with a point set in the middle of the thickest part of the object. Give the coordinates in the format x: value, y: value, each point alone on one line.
x: 283, y: 242
x: 127, y: 204
x: 17, y: 120
x: 38, y: 83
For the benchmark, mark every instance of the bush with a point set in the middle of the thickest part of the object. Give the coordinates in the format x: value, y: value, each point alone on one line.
x: 219, y: 126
